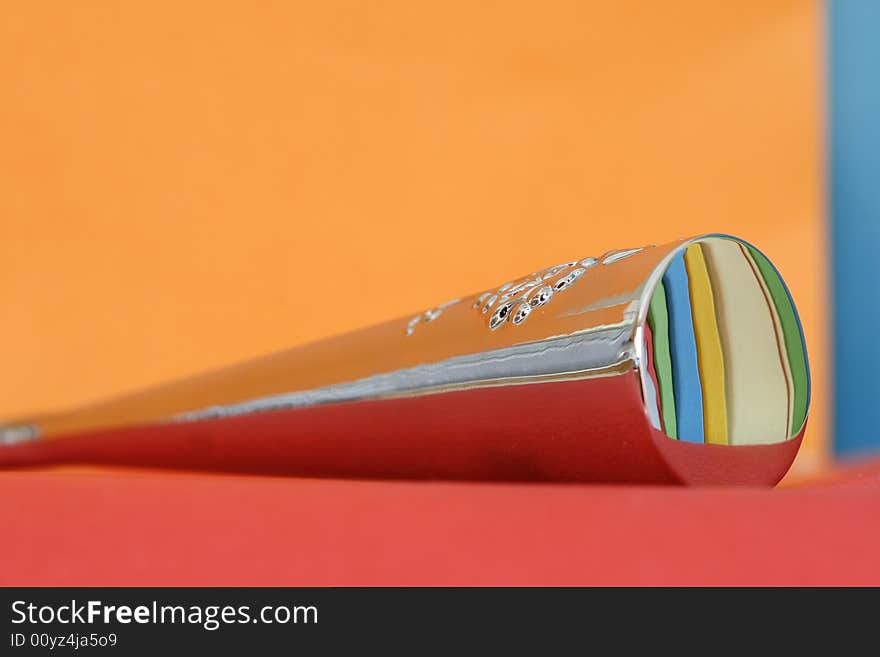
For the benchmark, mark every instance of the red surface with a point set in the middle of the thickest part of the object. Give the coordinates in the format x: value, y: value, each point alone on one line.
x: 585, y: 430
x: 130, y: 528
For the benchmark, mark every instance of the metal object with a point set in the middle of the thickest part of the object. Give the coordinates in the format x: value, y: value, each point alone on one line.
x: 541, y: 378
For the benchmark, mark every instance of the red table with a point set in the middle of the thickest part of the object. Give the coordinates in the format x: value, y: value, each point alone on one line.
x: 126, y: 527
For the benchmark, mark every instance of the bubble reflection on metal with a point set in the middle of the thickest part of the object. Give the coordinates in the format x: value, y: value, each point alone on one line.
x: 534, y: 291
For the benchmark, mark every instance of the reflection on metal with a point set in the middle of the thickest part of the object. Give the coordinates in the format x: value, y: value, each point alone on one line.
x: 578, y: 319
x: 18, y: 433
x: 541, y: 296
x: 428, y: 316
x: 587, y: 353
x: 518, y: 298
x: 615, y: 256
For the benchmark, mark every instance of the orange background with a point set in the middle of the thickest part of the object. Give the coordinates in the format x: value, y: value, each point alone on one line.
x: 184, y: 185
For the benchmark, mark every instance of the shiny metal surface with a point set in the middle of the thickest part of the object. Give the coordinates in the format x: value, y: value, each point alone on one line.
x: 578, y: 319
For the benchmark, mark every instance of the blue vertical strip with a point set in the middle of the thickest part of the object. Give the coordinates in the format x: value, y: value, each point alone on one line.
x: 683, y: 348
x: 854, y: 130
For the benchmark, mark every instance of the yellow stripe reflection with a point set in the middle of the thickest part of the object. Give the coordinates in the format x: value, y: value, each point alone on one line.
x: 709, y: 354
